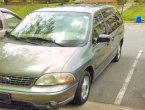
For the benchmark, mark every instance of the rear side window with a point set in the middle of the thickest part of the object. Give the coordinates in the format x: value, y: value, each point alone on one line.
x: 112, y: 18
x: 107, y: 12
x: 11, y: 19
x: 98, y: 25
x: 118, y: 16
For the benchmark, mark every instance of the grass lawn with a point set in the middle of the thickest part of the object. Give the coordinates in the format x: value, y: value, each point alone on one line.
x: 24, y: 9
x: 137, y: 9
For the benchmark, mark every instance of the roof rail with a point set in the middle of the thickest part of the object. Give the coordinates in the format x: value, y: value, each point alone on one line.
x: 81, y: 3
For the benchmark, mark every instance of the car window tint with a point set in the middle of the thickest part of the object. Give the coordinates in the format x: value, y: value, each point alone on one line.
x: 11, y: 19
x: 99, y: 26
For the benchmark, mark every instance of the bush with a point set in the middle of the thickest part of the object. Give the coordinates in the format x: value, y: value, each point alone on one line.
x: 51, y: 1
x: 139, y: 1
x: 71, y: 1
x: 120, y: 2
x: 59, y: 1
x: 136, y: 0
x: 1, y: 1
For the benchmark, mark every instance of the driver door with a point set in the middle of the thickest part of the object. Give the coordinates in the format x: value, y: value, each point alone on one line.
x: 100, y: 50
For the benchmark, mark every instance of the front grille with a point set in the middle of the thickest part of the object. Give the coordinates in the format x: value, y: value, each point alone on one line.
x: 16, y: 80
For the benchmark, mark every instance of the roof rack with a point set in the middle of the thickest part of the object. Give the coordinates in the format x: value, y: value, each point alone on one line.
x: 60, y: 4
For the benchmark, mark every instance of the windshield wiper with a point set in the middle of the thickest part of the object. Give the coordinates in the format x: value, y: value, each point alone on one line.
x: 8, y: 35
x: 38, y: 40
x: 33, y: 40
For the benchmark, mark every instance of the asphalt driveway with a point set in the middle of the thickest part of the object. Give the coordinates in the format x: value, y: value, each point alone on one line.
x: 123, y: 83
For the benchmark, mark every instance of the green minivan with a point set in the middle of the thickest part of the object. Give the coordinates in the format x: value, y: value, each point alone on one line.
x: 55, y: 53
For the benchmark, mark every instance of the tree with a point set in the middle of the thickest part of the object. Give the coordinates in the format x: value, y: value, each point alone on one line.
x: 32, y: 2
x: 6, y: 2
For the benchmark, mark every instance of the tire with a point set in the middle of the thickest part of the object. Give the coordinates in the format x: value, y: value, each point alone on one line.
x: 83, y: 89
x: 118, y: 54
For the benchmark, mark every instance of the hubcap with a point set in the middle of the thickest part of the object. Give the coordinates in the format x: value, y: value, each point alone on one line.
x: 85, y: 87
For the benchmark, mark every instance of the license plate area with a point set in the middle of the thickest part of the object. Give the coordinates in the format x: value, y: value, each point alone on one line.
x: 5, y: 98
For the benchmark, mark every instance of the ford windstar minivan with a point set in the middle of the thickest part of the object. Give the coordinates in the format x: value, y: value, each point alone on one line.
x: 54, y: 54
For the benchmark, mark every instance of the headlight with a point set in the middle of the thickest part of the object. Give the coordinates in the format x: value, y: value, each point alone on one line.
x: 55, y: 79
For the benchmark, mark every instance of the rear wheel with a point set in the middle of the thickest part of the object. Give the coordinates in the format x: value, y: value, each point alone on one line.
x: 83, y: 89
x: 118, y: 54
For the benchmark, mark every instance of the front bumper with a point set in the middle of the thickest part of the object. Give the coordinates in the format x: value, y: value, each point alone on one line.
x: 42, y: 99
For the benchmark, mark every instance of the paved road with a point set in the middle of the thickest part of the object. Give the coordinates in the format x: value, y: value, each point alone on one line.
x: 107, y: 86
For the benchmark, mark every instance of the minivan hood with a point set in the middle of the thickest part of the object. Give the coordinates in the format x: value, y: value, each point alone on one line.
x: 29, y: 60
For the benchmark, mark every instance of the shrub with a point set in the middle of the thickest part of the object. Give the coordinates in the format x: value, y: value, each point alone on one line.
x: 120, y: 2
x: 59, y: 1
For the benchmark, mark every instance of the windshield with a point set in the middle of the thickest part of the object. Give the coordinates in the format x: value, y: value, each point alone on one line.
x: 61, y: 27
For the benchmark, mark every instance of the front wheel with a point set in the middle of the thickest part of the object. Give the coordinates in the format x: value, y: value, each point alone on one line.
x: 118, y: 54
x: 83, y: 89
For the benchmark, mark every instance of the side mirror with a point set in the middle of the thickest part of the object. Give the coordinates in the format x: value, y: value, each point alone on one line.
x: 103, y: 38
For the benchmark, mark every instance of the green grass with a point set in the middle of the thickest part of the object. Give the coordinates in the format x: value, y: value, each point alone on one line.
x: 137, y: 9
x: 23, y: 10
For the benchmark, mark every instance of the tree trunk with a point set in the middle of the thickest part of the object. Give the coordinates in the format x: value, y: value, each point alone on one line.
x: 32, y: 2
x: 6, y: 2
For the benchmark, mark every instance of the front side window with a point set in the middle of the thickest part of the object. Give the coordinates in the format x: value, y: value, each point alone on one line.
x: 61, y: 27
x: 99, y: 26
x: 11, y: 20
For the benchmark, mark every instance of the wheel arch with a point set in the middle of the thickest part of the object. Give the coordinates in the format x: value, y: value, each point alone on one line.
x: 121, y: 42
x: 91, y: 72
